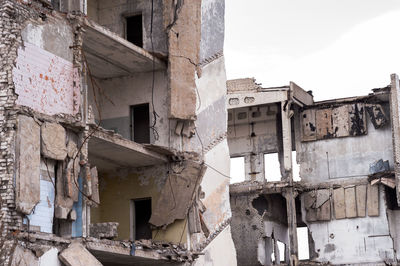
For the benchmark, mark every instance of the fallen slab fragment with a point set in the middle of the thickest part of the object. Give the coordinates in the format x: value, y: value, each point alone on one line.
x: 24, y: 257
x: 53, y: 138
x: 28, y: 165
x: 77, y: 255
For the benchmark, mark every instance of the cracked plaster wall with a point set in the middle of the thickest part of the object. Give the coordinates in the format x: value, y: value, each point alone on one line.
x: 347, y: 157
x: 370, y: 238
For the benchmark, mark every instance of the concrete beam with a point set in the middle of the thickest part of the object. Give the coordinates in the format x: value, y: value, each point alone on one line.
x: 247, y: 99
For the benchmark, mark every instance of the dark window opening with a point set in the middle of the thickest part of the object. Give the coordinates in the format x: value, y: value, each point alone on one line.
x: 260, y: 204
x: 134, y: 30
x: 140, y: 123
x: 391, y: 199
x: 142, y: 217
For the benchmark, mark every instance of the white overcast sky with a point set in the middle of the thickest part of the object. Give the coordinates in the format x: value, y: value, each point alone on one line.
x: 336, y: 48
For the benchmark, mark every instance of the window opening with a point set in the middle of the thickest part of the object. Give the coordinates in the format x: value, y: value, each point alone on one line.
x: 140, y: 123
x: 302, y: 242
x: 134, y: 30
x: 272, y: 168
x: 296, y: 168
x: 237, y: 170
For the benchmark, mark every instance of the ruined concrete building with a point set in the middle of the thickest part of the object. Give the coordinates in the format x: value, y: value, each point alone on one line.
x: 117, y: 128
x: 343, y: 208
x: 113, y: 129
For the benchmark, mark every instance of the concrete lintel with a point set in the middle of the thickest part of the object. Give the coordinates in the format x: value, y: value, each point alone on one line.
x: 110, y: 56
x: 119, y: 152
x: 247, y: 99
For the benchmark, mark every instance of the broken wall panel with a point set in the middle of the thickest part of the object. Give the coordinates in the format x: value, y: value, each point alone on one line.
x: 323, y: 121
x: 177, y: 194
x: 28, y: 164
x: 377, y: 115
x: 341, y: 121
x: 46, y: 82
x: 358, y: 123
x: 184, y: 45
x: 308, y: 126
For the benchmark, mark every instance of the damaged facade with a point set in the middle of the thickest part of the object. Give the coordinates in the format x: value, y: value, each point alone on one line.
x: 113, y: 120
x: 347, y: 197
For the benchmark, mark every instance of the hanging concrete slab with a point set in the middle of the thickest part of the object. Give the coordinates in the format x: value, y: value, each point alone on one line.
x: 28, y: 166
x: 177, y: 194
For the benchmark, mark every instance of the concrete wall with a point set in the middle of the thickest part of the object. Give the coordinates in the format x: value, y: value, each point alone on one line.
x: 44, y: 76
x: 358, y: 240
x: 111, y: 14
x: 324, y: 160
x: 212, y: 28
x: 119, y: 188
x: 257, y: 219
x: 123, y: 92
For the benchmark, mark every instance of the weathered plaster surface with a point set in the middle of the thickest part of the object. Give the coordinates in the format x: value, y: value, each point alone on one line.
x: 221, y: 251
x: 212, y: 28
x: 46, y: 82
x: 370, y: 238
x: 325, y: 160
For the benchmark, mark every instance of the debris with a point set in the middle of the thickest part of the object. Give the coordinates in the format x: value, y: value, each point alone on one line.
x: 104, y: 230
x: 77, y: 255
x: 379, y: 166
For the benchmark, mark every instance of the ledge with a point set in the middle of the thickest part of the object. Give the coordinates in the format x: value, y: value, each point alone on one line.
x: 111, y: 56
x: 109, y: 252
x: 110, y: 151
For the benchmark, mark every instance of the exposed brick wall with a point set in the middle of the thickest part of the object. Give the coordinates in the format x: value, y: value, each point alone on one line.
x: 13, y: 15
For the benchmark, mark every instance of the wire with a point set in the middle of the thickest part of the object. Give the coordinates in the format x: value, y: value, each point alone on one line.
x: 216, y: 170
x: 155, y: 115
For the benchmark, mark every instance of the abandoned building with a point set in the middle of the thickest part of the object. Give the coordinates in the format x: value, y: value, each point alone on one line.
x: 118, y: 129
x: 113, y: 133
x: 342, y: 208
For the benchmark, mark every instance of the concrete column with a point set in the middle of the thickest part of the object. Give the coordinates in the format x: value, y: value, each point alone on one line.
x: 254, y: 167
x: 289, y: 194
